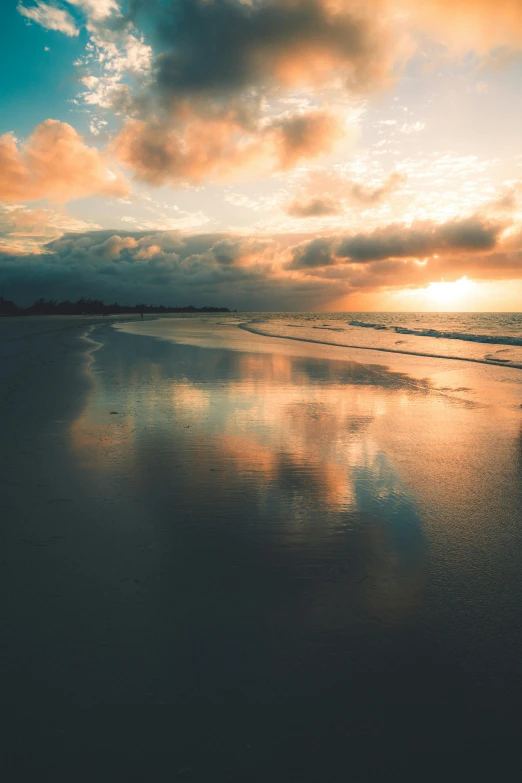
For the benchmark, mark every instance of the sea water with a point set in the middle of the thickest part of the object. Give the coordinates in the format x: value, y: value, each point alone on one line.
x: 491, y: 338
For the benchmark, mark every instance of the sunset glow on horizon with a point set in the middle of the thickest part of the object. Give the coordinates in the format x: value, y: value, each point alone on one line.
x: 274, y: 155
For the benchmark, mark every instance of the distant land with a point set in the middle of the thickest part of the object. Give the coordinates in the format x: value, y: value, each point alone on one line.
x: 87, y: 306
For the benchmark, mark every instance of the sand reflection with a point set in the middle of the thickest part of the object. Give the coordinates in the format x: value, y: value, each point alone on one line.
x: 275, y: 460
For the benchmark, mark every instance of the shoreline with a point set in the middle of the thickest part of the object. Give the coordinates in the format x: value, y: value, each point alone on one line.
x: 472, y: 381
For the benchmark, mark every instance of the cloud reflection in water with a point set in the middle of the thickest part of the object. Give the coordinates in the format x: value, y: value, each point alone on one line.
x: 262, y: 472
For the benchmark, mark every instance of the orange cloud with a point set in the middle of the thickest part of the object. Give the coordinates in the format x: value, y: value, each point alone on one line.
x: 304, y: 136
x: 314, y: 207
x: 221, y: 148
x: 54, y: 164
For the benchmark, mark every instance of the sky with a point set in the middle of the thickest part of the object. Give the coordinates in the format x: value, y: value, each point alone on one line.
x: 268, y: 155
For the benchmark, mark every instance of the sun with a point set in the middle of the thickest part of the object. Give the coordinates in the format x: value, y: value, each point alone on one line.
x: 450, y: 296
x: 442, y: 296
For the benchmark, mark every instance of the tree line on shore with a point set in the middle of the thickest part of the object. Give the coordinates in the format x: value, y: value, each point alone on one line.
x: 88, y: 306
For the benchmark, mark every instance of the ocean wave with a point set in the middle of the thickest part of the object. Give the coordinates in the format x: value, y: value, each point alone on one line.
x: 255, y: 327
x: 490, y: 339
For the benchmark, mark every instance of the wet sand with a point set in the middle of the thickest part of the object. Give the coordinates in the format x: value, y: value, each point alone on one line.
x: 228, y: 557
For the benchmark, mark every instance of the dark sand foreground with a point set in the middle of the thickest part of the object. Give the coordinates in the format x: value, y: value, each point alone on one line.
x: 233, y: 558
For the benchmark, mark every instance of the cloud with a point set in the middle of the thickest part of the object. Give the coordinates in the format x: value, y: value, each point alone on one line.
x: 114, y: 56
x: 316, y: 253
x: 342, y: 193
x: 54, y: 163
x: 223, y: 50
x: 28, y: 229
x: 206, y: 109
x: 204, y: 103
x: 279, y: 272
x: 408, y: 273
x: 396, y: 241
x: 314, y: 207
x: 508, y: 201
x: 223, y: 47
x: 421, y: 239
x: 304, y: 136
x: 221, y: 147
x: 370, y: 196
x: 163, y: 267
x: 49, y: 16
x: 97, y: 9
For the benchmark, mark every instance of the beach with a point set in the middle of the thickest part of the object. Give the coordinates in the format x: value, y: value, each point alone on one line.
x: 236, y: 556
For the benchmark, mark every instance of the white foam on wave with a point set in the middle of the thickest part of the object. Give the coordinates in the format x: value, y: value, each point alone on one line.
x: 466, y: 336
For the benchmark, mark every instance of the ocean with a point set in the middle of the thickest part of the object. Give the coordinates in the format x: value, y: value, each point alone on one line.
x: 489, y: 338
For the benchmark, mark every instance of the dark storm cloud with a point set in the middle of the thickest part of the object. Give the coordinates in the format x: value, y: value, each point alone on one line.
x: 420, y: 240
x: 160, y: 267
x: 316, y: 253
x: 226, y: 46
